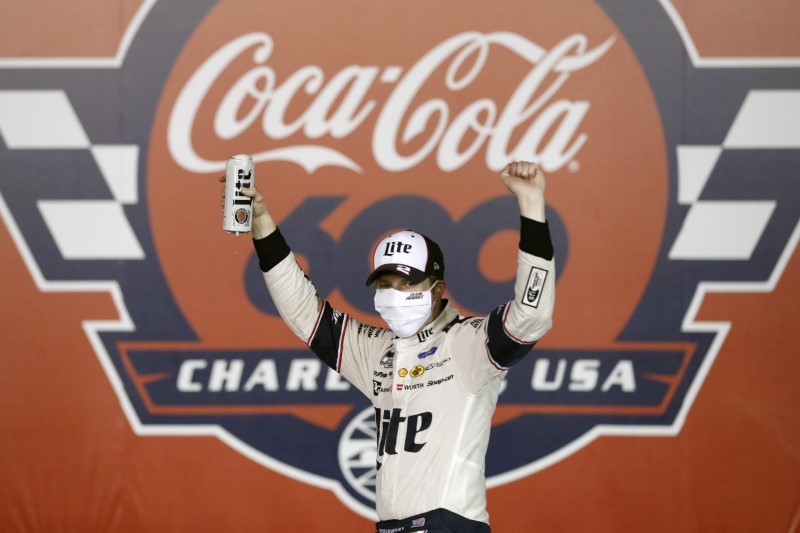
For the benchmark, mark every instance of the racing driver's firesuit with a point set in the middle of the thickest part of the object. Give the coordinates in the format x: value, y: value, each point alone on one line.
x: 434, y: 376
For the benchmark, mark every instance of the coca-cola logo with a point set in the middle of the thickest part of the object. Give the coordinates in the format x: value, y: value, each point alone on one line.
x: 258, y: 98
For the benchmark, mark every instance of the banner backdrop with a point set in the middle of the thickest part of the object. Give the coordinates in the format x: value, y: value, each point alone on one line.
x: 148, y: 382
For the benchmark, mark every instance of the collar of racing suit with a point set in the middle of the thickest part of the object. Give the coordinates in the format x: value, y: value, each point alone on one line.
x: 448, y: 315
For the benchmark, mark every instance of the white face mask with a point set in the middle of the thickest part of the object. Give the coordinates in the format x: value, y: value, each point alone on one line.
x: 405, y: 312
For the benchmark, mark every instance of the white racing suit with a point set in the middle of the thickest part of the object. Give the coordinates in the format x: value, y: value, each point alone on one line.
x: 434, y: 393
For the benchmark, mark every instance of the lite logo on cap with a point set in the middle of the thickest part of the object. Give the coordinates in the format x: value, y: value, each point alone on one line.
x: 410, y: 254
x: 396, y: 247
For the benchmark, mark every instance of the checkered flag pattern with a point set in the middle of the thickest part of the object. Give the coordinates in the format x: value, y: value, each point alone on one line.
x: 730, y: 230
x: 81, y: 229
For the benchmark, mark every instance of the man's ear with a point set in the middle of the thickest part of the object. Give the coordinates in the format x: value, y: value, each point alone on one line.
x: 439, y: 288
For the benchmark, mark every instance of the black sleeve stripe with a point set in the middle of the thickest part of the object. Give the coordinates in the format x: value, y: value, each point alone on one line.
x: 271, y: 250
x: 327, y: 338
x: 534, y: 238
x: 503, y: 349
x: 345, y: 320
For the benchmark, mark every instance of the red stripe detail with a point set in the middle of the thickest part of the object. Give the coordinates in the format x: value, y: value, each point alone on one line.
x: 505, y: 330
x: 316, y: 325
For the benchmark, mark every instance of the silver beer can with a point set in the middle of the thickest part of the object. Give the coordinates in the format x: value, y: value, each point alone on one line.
x: 238, y: 213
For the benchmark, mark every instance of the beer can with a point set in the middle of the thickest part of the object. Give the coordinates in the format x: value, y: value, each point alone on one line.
x: 238, y: 212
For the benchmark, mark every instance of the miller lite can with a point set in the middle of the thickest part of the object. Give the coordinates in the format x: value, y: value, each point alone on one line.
x: 238, y: 213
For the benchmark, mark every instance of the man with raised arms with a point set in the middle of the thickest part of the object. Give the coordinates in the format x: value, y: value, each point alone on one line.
x: 433, y: 376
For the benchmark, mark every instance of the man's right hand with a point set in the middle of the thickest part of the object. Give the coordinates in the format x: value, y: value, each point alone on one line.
x: 263, y: 224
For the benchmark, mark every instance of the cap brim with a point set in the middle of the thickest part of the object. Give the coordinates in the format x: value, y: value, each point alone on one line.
x: 412, y: 274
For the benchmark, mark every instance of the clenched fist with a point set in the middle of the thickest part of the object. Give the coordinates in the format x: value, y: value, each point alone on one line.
x: 526, y: 181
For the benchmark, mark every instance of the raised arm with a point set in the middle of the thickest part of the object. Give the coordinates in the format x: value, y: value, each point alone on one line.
x: 513, y: 328
x: 340, y: 341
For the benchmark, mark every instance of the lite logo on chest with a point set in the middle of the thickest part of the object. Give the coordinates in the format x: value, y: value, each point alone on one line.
x: 392, y: 428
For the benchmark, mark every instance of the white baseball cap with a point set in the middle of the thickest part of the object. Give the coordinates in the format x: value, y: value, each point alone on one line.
x: 409, y: 254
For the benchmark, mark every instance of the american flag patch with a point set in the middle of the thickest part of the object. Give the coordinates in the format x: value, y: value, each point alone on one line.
x: 417, y: 522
